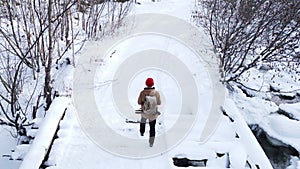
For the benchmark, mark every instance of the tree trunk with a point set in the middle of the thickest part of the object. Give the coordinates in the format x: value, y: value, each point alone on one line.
x: 48, y: 87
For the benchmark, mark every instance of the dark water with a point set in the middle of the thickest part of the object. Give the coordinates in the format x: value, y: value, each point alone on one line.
x: 279, y: 154
x: 185, y: 162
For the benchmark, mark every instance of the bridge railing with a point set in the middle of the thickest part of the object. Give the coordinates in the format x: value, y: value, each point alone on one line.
x: 46, y: 134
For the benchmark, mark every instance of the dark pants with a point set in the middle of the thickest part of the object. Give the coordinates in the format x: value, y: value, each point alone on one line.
x: 152, y: 127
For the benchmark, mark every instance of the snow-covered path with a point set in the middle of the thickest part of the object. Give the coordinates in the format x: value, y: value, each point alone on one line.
x: 74, y: 150
x: 183, y: 67
x: 107, y: 80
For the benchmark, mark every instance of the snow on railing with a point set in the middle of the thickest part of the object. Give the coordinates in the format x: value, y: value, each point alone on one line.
x: 256, y: 155
x: 43, y: 140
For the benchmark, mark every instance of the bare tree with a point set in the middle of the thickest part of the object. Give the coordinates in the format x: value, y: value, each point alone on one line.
x: 27, y: 44
x: 14, y: 110
x: 34, y: 36
x: 103, y: 17
x: 248, y: 34
x: 42, y: 35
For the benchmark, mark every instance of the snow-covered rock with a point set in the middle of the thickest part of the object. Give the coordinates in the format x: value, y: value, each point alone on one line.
x: 294, y: 109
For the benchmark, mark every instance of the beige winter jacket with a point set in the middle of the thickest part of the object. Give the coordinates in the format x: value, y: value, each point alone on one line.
x: 142, y: 96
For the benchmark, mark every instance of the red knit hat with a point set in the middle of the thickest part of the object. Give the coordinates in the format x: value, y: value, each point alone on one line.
x: 149, y: 82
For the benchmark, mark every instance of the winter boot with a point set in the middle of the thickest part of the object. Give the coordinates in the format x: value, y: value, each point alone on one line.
x: 151, y: 141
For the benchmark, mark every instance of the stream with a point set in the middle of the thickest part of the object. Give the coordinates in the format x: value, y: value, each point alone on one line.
x: 279, y: 154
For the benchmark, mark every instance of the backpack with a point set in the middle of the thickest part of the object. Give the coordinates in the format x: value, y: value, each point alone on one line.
x: 149, y: 106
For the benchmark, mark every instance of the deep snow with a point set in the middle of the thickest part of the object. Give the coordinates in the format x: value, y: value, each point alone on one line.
x: 8, y: 143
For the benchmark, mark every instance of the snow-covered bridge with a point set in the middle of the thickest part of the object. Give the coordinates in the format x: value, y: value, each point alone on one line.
x: 107, y: 79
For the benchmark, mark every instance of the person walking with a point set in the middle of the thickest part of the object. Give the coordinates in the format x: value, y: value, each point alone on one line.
x: 147, y: 98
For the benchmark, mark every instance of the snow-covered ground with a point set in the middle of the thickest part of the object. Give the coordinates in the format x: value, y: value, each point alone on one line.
x: 119, y: 69
x: 275, y: 112
x: 8, y: 143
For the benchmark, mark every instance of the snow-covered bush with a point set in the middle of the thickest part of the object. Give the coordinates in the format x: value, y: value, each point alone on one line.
x: 248, y: 34
x: 37, y: 36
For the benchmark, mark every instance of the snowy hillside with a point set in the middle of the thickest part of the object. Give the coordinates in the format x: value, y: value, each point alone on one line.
x: 202, y: 123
